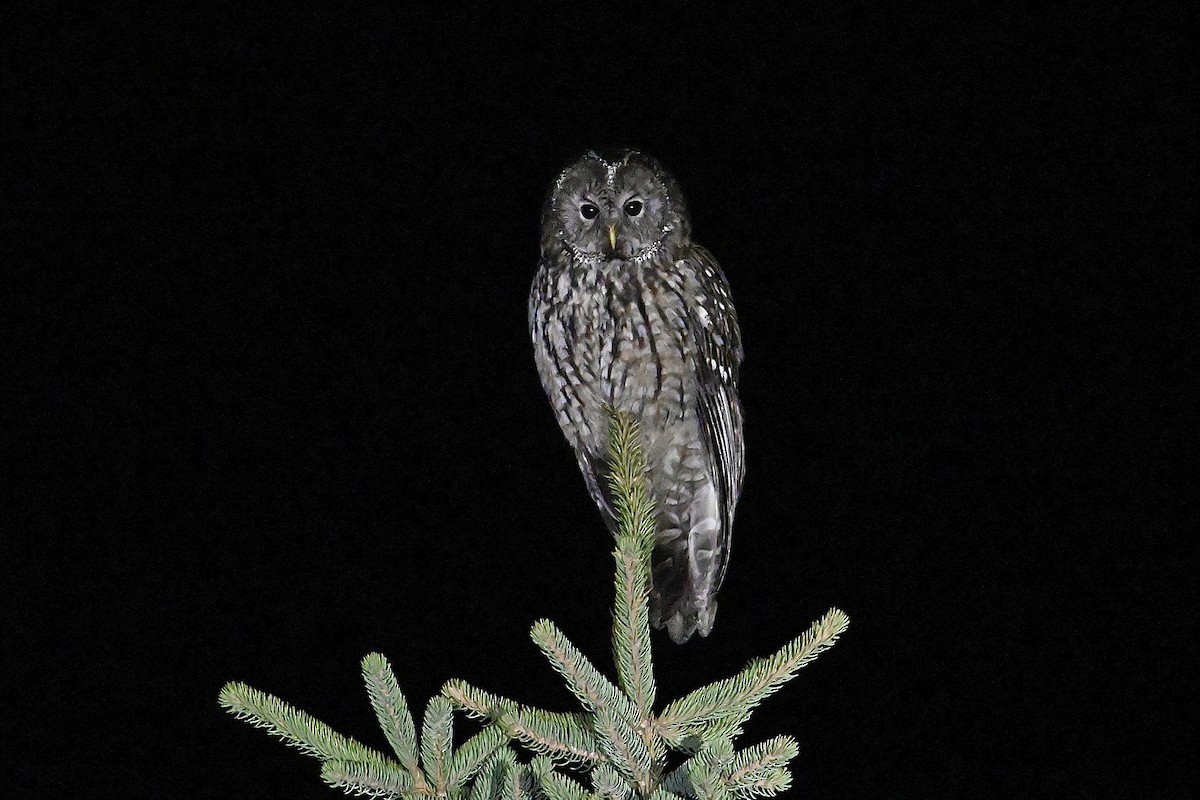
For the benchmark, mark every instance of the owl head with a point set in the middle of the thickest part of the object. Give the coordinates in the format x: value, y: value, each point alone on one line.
x: 625, y: 208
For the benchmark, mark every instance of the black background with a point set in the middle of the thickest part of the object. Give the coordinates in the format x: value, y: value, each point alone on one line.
x: 276, y: 405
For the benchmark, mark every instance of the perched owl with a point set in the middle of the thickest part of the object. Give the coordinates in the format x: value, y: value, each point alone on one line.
x: 627, y: 311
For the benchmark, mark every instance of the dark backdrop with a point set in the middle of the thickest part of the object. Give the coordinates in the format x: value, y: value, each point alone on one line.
x: 276, y: 406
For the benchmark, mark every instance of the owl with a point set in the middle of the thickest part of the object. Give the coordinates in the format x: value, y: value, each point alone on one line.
x: 626, y: 311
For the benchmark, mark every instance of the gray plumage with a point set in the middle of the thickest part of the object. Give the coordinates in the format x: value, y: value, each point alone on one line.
x: 626, y: 311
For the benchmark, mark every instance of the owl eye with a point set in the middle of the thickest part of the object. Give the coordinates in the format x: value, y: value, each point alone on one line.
x: 633, y: 208
x: 588, y: 211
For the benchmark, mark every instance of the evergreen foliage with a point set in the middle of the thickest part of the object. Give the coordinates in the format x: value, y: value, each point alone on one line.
x: 617, y: 739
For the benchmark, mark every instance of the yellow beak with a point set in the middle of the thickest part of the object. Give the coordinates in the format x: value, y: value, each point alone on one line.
x: 612, y: 236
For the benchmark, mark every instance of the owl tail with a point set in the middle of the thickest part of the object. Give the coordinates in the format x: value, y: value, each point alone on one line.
x: 684, y: 621
x: 686, y: 568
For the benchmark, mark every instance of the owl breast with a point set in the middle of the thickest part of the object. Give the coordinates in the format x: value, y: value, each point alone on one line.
x: 616, y: 335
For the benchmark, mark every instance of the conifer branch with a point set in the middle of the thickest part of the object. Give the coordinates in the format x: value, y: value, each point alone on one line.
x: 437, y: 735
x: 678, y: 780
x: 662, y: 794
x: 391, y: 710
x: 476, y: 702
x: 586, y: 682
x: 608, y: 784
x: 493, y: 782
x: 564, y: 737
x: 704, y: 782
x: 509, y: 780
x: 760, y: 770
x: 763, y: 784
x: 755, y: 766
x: 627, y: 753
x: 371, y: 780
x: 298, y: 729
x: 635, y: 540
x: 618, y: 737
x: 473, y: 754
x: 735, y: 698
x: 555, y: 785
x: 719, y: 751
x: 711, y: 758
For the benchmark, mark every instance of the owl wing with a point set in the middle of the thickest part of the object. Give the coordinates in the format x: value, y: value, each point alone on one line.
x: 714, y: 328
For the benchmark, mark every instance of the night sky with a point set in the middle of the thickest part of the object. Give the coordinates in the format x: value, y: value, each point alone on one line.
x: 276, y: 407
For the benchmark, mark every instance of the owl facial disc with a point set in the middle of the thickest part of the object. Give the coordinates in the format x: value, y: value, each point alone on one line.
x: 625, y: 209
